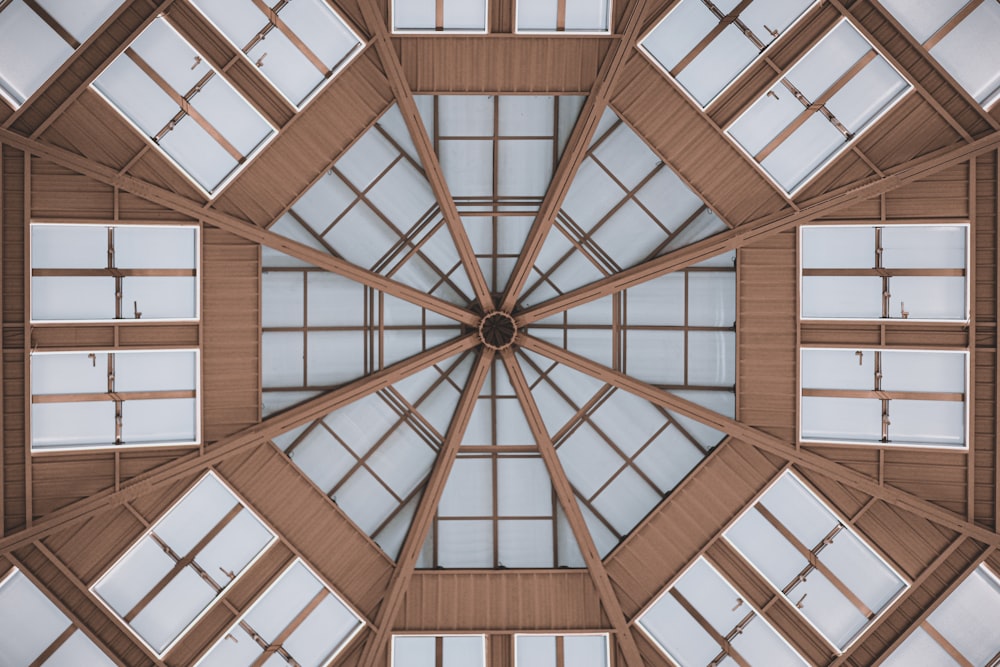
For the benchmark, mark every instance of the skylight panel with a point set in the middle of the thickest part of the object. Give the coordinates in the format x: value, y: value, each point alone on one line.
x: 963, y: 626
x: 961, y: 36
x: 885, y: 397
x: 701, y: 619
x: 705, y: 46
x: 298, y: 46
x: 38, y: 36
x: 298, y: 621
x: 440, y: 16
x: 169, y: 92
x: 832, y: 95
x: 83, y: 273
x: 916, y: 272
x: 576, y: 650
x: 549, y: 16
x: 438, y: 651
x: 36, y: 632
x: 832, y: 577
x: 100, y: 398
x: 186, y: 561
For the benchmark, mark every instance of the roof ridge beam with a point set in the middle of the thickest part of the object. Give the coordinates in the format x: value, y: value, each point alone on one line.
x: 762, y: 228
x: 574, y: 154
x: 765, y: 441
x: 235, y: 444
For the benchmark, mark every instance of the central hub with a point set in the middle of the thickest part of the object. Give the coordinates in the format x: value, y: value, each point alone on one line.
x: 498, y: 330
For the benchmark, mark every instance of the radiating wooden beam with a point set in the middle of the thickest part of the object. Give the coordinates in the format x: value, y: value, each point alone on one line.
x: 567, y: 499
x: 237, y: 443
x: 574, y: 153
x: 378, y: 640
x: 425, y: 149
x: 764, y: 441
x: 230, y: 223
x: 762, y: 228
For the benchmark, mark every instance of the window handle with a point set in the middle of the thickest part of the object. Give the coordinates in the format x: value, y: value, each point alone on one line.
x: 228, y: 573
x: 903, y: 312
x: 739, y: 603
x: 197, y: 61
x: 801, y: 601
x: 135, y: 309
x: 861, y: 357
x: 774, y: 33
x: 260, y: 61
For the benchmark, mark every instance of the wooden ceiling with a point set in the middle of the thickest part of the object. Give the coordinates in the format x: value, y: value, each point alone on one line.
x: 66, y: 155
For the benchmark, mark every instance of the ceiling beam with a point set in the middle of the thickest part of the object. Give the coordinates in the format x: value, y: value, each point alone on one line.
x: 757, y: 230
x: 239, y: 442
x: 567, y: 499
x: 399, y: 583
x: 765, y: 441
x: 574, y: 154
x: 230, y: 223
x: 425, y: 150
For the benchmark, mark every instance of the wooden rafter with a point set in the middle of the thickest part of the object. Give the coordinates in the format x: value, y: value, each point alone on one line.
x: 432, y: 166
x: 567, y: 499
x: 764, y: 441
x: 237, y: 443
x: 417, y: 535
x: 762, y: 228
x: 574, y: 154
x: 230, y: 223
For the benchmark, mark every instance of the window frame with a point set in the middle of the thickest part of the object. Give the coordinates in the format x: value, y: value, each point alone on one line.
x: 875, y: 550
x: 110, y: 567
x: 443, y: 635
x: 334, y: 73
x: 842, y: 147
x: 198, y: 398
x: 760, y: 54
x: 894, y: 320
x: 198, y: 271
x: 889, y: 444
x: 722, y: 575
x: 362, y: 624
x: 444, y: 31
x: 251, y: 157
x: 610, y: 30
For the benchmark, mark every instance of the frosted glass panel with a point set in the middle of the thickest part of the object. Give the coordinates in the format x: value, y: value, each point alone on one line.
x: 30, y: 621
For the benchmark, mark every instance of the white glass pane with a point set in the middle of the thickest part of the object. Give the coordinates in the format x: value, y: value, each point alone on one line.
x: 469, y: 490
x: 322, y: 459
x: 239, y: 20
x: 413, y: 14
x: 282, y: 299
x: 537, y: 14
x: 760, y: 644
x: 626, y: 156
x: 173, y: 609
x: 156, y: 371
x: 80, y: 19
x: 920, y: 650
x: 763, y: 16
x: 30, y: 621
x: 282, y: 355
x: 587, y: 15
x: 171, y: 56
x: 838, y: 369
x: 798, y: 157
x: 73, y: 298
x: 838, y: 247
x: 134, y: 576
x: 465, y: 544
x: 808, y: 519
x: 72, y: 424
x: 365, y: 500
x: 69, y: 247
x: 938, y: 298
x: 626, y: 500
x: 403, y: 195
x: 198, y: 153
x: 585, y: 651
x: 414, y: 651
x: 657, y: 302
x: 829, y: 610
x: 866, y: 95
x: 712, y: 299
x: 668, y: 459
x: 30, y: 51
x: 525, y: 543
x: 402, y: 461
x: 629, y: 421
x: 588, y: 460
x: 136, y: 96
x: 468, y: 651
x: 670, y: 201
x: 159, y: 297
x: 927, y: 422
x: 683, y: 638
x: 156, y: 247
x: 467, y: 166
x: 711, y: 358
x: 525, y: 168
x: 161, y: 420
x: 321, y: 29
x: 334, y: 357
x: 926, y: 247
x: 330, y: 196
x: 856, y: 565
x: 836, y: 53
x: 923, y: 370
x: 971, y: 53
x: 711, y: 596
x: 761, y: 543
x: 765, y: 119
x: 842, y: 297
x: 592, y: 194
x: 720, y: 62
x: 321, y: 633
x: 241, y: 649
x: 535, y: 651
x: 464, y: 14
x: 679, y: 32
x: 523, y: 487
x: 283, y: 601
x: 192, y: 518
x: 967, y: 617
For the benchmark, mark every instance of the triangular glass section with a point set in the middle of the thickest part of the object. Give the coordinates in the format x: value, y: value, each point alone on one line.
x: 498, y: 154
x: 320, y: 330
x: 498, y: 508
x: 375, y: 208
x: 373, y: 457
x: 625, y: 206
x: 677, y: 332
x: 621, y: 453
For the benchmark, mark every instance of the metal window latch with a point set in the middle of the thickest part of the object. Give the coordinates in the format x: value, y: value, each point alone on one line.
x: 260, y: 61
x: 802, y: 600
x: 739, y: 603
x: 135, y: 309
x: 861, y: 357
x: 197, y: 61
